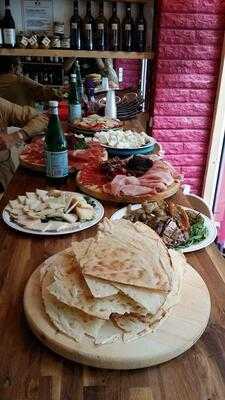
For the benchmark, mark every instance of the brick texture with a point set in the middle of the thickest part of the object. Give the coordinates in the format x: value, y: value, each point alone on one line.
x: 182, y: 135
x: 183, y: 109
x: 190, y: 36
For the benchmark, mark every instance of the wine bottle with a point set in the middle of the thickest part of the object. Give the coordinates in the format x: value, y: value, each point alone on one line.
x: 74, y: 101
x: 55, y: 148
x: 127, y: 29
x: 114, y: 30
x: 101, y: 29
x: 8, y: 27
x: 140, y: 36
x: 75, y: 28
x: 80, y: 86
x: 88, y: 28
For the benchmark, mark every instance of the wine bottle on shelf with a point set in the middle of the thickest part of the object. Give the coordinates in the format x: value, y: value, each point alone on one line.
x: 74, y: 101
x: 8, y: 27
x: 127, y: 29
x: 56, y: 151
x: 101, y: 29
x: 114, y: 30
x: 88, y: 28
x: 140, y: 36
x: 75, y: 28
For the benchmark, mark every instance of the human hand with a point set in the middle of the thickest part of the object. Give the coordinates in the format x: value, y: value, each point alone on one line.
x: 8, y: 140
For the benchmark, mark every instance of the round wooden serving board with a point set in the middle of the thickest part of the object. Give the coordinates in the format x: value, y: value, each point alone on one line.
x: 184, y: 325
x: 96, y: 192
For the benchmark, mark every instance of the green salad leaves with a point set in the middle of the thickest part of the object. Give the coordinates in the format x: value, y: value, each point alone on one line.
x: 198, y: 231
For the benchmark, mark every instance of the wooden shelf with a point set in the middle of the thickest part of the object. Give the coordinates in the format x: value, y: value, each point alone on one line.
x: 75, y: 53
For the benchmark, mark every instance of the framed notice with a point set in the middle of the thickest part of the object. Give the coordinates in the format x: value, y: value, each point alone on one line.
x: 37, y: 15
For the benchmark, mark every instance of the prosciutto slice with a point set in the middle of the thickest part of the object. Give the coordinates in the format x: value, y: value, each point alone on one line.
x: 155, y: 180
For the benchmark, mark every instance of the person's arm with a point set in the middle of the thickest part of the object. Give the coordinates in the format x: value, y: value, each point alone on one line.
x: 27, y: 118
x: 37, y: 91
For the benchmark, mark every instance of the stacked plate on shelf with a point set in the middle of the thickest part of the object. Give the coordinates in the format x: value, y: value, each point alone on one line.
x: 129, y: 104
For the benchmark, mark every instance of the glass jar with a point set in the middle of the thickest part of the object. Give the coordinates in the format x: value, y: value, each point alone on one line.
x: 58, y: 28
x: 56, y: 42
x: 33, y: 41
x: 45, y: 42
x: 65, y: 42
x: 22, y: 41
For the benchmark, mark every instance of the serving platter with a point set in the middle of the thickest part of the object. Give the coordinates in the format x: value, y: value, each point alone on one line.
x: 96, y: 192
x: 183, y: 326
x: 126, y: 152
x: 210, y: 225
x: 77, y: 227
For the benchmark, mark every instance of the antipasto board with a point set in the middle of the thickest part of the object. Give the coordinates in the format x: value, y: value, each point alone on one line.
x: 96, y: 192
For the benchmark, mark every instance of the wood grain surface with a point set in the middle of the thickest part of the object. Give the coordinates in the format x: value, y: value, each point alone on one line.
x: 29, y: 371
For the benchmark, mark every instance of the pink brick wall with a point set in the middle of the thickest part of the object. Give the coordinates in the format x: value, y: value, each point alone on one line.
x: 190, y: 36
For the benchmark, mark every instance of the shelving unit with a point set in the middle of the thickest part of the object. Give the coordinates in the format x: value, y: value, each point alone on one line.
x: 76, y: 53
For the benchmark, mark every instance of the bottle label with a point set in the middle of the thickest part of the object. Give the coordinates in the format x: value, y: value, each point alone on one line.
x: 141, y: 27
x: 75, y: 112
x: 57, y: 164
x: 114, y: 27
x: 1, y: 41
x: 88, y: 27
x: 128, y: 27
x: 9, y: 36
x: 74, y: 25
x: 101, y: 27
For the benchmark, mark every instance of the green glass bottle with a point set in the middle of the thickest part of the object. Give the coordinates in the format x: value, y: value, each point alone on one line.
x: 80, y: 87
x: 55, y: 148
x: 74, y: 101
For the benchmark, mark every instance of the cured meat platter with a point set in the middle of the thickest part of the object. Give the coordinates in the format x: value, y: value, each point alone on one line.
x: 33, y: 155
x: 97, y: 192
x: 134, y: 180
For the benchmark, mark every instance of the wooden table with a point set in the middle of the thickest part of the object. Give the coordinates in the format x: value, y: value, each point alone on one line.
x: 30, y: 371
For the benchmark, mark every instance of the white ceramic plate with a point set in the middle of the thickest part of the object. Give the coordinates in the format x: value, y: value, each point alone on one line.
x: 77, y: 227
x: 211, y: 227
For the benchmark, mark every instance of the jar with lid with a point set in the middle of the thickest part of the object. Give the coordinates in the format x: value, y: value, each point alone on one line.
x: 56, y: 42
x: 45, y: 41
x: 65, y: 42
x: 22, y: 41
x: 58, y: 28
x: 33, y: 41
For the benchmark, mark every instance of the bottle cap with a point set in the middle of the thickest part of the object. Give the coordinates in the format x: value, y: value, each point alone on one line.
x: 53, y: 103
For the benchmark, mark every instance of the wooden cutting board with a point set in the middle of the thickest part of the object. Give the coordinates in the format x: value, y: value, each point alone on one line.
x: 177, y: 333
x: 97, y: 193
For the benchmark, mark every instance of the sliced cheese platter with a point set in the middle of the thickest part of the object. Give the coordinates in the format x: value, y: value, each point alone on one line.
x: 52, y: 212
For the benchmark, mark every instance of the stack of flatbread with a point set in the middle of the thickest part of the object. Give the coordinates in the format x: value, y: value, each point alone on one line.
x: 119, y: 285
